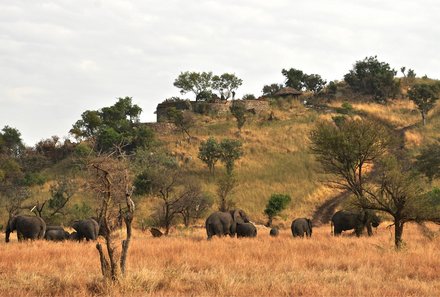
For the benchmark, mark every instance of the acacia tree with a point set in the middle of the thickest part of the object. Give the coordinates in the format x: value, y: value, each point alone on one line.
x: 276, y: 204
x: 183, y: 119
x: 313, y: 82
x: 195, y: 82
x: 225, y: 187
x: 111, y: 181
x: 226, y: 84
x: 424, y: 96
x: 294, y: 78
x: 270, y: 90
x: 428, y: 162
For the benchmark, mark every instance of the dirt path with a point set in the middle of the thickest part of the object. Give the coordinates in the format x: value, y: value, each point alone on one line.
x: 325, y: 211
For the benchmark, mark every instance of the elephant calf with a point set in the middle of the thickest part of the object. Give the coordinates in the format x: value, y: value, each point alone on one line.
x: 274, y: 232
x: 56, y: 235
x: 301, y: 226
x: 246, y: 230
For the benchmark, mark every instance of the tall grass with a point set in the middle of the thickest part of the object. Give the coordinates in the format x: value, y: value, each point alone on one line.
x: 186, y: 264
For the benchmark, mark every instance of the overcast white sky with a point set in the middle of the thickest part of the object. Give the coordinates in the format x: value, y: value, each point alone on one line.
x: 60, y: 58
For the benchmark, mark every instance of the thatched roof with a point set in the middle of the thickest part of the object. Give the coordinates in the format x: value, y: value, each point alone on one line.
x: 288, y: 91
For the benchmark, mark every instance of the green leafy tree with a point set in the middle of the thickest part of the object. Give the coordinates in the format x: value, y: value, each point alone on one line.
x: 372, y: 77
x: 194, y: 82
x: 399, y: 193
x: 183, y: 119
x: 231, y: 150
x: 249, y: 97
x: 313, y: 82
x: 294, y: 78
x: 117, y: 125
x: 428, y: 162
x: 238, y: 110
x: 276, y: 204
x: 210, y: 152
x: 10, y: 142
x: 271, y: 90
x: 332, y: 88
x: 225, y: 188
x: 424, y: 96
x: 226, y: 84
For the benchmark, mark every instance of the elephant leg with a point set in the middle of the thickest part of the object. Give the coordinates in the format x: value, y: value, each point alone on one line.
x: 369, y: 230
x: 337, y: 231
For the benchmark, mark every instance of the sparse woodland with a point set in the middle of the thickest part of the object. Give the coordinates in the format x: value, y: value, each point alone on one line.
x: 372, y: 140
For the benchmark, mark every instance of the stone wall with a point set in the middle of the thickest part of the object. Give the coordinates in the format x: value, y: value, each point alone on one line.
x: 217, y: 108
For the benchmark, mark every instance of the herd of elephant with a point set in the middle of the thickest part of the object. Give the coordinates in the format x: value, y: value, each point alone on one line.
x: 234, y: 222
x: 28, y: 227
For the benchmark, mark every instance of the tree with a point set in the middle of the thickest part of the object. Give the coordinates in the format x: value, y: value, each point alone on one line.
x: 332, y: 88
x: 231, y: 150
x: 313, y: 82
x: 194, y: 82
x: 210, y: 153
x: 424, y: 96
x: 238, y: 110
x: 276, y: 204
x: 183, y: 119
x: 346, y: 150
x: 294, y: 78
x: 225, y: 187
x: 194, y: 204
x: 114, y: 126
x: 401, y: 194
x: 249, y: 97
x: 372, y: 77
x: 11, y: 143
x: 428, y: 162
x: 226, y: 84
x: 271, y: 90
x: 111, y: 181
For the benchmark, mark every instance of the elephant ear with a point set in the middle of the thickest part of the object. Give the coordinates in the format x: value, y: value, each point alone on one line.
x: 237, y: 216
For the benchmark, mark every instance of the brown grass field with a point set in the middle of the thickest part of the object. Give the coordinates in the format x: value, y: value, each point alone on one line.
x: 186, y: 264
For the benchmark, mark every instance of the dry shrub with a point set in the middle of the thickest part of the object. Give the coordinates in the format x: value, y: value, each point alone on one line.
x: 413, y: 139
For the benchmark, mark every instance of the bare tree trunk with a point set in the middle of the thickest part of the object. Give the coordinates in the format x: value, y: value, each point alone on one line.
x: 398, y: 231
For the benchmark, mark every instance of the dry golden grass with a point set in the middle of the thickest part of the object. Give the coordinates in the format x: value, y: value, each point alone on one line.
x: 189, y: 265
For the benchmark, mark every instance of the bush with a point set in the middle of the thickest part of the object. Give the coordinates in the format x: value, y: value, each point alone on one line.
x: 276, y: 204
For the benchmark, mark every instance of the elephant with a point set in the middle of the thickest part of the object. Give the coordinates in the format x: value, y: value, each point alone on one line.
x: 225, y: 223
x: 27, y: 227
x: 346, y: 220
x: 246, y: 230
x: 56, y: 235
x: 274, y: 232
x: 301, y: 226
x: 88, y: 229
x: 74, y: 236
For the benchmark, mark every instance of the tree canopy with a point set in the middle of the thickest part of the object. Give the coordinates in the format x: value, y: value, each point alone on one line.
x: 424, y: 96
x: 372, y: 77
x: 114, y: 125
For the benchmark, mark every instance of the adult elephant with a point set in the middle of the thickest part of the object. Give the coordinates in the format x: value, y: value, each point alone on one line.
x: 246, y: 230
x: 56, y: 235
x: 301, y: 226
x: 88, y: 229
x: 347, y: 220
x: 27, y: 227
x: 225, y: 223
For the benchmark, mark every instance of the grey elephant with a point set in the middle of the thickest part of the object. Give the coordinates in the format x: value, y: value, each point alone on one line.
x: 88, y: 229
x: 274, y: 232
x: 74, y: 236
x: 347, y: 220
x: 225, y: 223
x: 301, y: 226
x: 246, y: 230
x: 27, y: 227
x: 56, y: 235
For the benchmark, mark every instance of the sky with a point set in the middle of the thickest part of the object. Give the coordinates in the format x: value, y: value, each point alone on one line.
x: 61, y: 58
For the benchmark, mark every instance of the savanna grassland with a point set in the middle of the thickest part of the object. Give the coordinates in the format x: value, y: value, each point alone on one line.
x: 186, y: 264
x: 276, y: 160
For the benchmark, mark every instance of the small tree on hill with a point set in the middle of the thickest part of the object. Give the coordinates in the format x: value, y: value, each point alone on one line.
x: 294, y: 78
x: 314, y: 83
x: 184, y: 120
x: 372, y: 77
x: 276, y: 204
x: 424, y: 96
x: 226, y: 84
x: 270, y: 90
x: 210, y: 153
x: 428, y: 162
x: 225, y: 187
x: 194, y: 82
x: 238, y: 110
x: 231, y: 150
